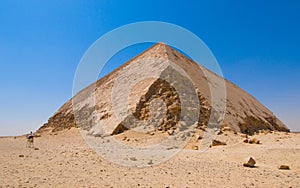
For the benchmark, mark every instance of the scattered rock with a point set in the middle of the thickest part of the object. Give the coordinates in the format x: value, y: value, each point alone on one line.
x: 251, y: 163
x: 254, y: 141
x: 175, y: 107
x: 284, y: 167
x: 218, y: 143
x: 133, y: 158
x: 202, y: 128
x: 21, y: 156
x: 226, y: 129
x: 265, y: 131
x: 195, y: 148
x: 170, y: 132
x: 198, y: 137
x: 246, y: 141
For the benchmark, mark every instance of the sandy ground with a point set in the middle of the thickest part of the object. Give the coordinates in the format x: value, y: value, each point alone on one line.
x: 65, y: 160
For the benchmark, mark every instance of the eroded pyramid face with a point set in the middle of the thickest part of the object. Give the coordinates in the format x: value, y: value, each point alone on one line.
x: 151, y: 94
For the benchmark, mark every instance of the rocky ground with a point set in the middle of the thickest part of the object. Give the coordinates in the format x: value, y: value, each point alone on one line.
x: 63, y: 159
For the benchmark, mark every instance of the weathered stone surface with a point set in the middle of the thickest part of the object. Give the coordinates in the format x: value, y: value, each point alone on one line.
x: 218, y: 143
x: 254, y: 141
x: 284, y: 167
x: 195, y: 147
x: 226, y: 129
x: 251, y: 163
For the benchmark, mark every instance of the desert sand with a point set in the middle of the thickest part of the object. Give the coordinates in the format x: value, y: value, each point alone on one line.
x: 63, y: 159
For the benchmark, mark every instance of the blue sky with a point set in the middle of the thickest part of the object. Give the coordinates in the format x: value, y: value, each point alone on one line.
x: 41, y: 43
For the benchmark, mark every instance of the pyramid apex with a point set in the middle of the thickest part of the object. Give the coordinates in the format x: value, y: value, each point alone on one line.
x: 161, y: 43
x: 160, y: 46
x: 160, y: 50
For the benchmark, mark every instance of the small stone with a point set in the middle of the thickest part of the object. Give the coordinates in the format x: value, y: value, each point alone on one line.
x: 250, y: 163
x: 21, y: 156
x: 36, y: 148
x: 218, y: 143
x: 133, y: 158
x: 198, y: 137
x: 195, y: 148
x: 284, y: 167
x: 202, y: 128
x: 150, y: 162
x: 152, y: 133
x: 226, y: 129
x: 254, y: 141
x: 246, y: 141
x: 244, y: 136
x: 170, y: 132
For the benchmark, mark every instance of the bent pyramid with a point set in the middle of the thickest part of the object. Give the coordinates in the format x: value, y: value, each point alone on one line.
x: 144, y: 92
